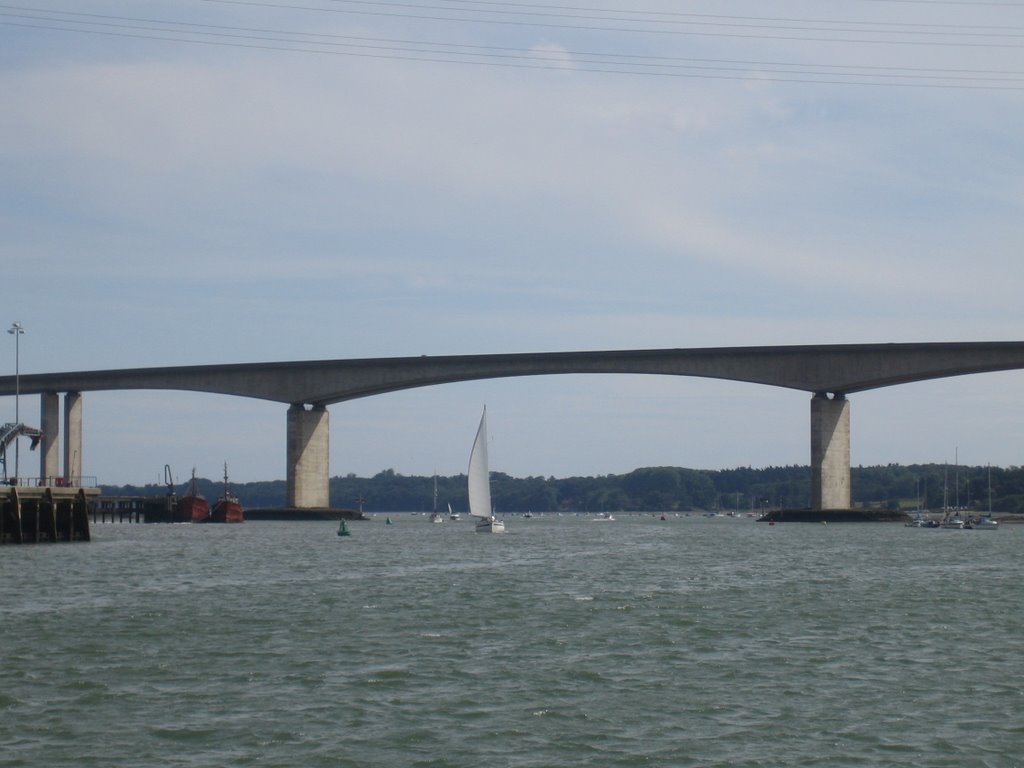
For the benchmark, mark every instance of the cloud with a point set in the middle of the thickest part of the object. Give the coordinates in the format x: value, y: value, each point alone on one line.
x: 166, y: 203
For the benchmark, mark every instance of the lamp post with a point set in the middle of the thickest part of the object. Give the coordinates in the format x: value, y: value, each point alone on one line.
x: 16, y: 330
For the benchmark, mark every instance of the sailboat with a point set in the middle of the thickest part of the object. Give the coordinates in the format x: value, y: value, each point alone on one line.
x: 984, y: 522
x: 953, y: 522
x: 435, y: 516
x: 480, y: 483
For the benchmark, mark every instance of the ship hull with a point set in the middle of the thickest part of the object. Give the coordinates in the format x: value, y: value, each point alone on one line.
x: 191, y: 509
x: 227, y: 511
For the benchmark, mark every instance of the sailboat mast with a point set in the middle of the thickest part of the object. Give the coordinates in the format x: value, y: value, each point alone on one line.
x: 956, y: 477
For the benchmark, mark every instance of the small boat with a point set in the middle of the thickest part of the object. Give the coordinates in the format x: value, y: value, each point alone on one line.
x: 193, y: 506
x: 227, y: 508
x: 452, y: 515
x: 343, y: 529
x: 387, y: 521
x: 435, y: 516
x: 604, y: 517
x: 480, y: 483
x: 984, y: 522
x: 952, y: 522
x: 920, y: 521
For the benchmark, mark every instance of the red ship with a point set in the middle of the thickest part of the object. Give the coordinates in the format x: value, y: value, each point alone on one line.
x: 227, y: 508
x: 193, y: 507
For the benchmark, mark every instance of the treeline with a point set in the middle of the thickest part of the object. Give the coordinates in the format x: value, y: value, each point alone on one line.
x: 933, y: 486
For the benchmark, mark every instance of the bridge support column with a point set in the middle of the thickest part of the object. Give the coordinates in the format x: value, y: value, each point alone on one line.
x: 73, y: 438
x: 49, y: 445
x: 308, y: 457
x: 830, y: 452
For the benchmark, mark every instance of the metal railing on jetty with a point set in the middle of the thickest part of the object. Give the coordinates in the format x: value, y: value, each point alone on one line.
x: 80, y: 481
x: 33, y: 514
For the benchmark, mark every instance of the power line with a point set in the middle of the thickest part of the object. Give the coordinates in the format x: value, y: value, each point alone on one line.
x: 441, y: 52
x: 678, y: 17
x: 110, y: 17
x: 967, y: 3
x: 665, y: 26
x: 1001, y: 32
x: 548, y: 6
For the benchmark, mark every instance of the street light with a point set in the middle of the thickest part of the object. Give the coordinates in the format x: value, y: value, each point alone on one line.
x: 16, y: 330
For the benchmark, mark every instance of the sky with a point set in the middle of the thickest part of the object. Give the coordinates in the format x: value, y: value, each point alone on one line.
x: 220, y: 181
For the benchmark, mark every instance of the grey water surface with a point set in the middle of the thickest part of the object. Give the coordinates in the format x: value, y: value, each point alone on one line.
x: 565, y: 642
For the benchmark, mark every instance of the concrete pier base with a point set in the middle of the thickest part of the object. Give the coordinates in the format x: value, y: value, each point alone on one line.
x: 835, y: 516
x: 308, y: 457
x: 830, y: 452
x: 305, y: 513
x: 73, y: 438
x: 49, y: 445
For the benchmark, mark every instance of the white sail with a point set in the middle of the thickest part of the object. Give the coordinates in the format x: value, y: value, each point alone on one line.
x: 479, y: 474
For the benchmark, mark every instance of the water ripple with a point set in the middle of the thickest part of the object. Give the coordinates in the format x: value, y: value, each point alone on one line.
x: 689, y: 642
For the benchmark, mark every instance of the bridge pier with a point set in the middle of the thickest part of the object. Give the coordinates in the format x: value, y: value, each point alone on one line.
x: 830, y: 451
x: 308, y: 459
x: 49, y: 445
x: 73, y: 437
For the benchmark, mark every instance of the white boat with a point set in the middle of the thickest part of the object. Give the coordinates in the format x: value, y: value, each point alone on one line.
x: 480, y: 483
x: 603, y: 517
x: 920, y: 521
x: 435, y: 516
x: 452, y: 515
x: 951, y: 521
x: 984, y: 522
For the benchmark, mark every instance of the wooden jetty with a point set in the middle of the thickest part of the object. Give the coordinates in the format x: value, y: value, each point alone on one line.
x: 32, y: 515
x: 135, y: 509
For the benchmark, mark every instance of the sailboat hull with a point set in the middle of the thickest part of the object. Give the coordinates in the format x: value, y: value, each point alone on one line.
x: 490, y: 526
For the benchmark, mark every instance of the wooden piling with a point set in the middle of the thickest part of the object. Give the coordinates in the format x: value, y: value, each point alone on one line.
x: 31, y: 515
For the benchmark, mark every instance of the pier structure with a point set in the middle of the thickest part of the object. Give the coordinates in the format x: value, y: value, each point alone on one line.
x: 830, y: 373
x: 46, y: 439
x: 53, y: 506
x: 31, y: 515
x: 134, y: 509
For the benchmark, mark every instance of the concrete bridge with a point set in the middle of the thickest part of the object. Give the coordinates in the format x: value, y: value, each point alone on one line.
x: 829, y: 372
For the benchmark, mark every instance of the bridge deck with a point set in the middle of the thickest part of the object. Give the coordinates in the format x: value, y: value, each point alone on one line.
x: 837, y: 368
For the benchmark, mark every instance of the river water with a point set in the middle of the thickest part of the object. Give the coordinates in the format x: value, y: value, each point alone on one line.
x: 566, y: 642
